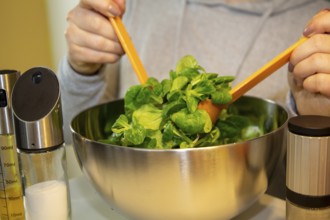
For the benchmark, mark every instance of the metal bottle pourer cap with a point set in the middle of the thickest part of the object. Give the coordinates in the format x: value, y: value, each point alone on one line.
x: 7, y: 82
x: 37, y: 110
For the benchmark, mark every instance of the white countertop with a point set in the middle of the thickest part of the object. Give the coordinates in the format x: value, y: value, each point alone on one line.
x: 87, y: 204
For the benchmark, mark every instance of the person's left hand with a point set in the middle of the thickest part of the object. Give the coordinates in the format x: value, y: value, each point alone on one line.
x: 310, y: 68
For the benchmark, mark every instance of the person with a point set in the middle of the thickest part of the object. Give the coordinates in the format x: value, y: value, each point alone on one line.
x: 230, y: 37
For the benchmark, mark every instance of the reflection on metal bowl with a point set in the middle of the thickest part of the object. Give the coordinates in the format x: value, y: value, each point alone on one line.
x: 216, y: 182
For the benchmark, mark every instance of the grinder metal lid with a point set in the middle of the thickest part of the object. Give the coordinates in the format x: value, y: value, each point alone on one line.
x: 37, y: 111
x: 310, y: 125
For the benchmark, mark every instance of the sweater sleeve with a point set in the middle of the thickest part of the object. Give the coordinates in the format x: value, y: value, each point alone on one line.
x: 79, y: 92
x: 291, y: 105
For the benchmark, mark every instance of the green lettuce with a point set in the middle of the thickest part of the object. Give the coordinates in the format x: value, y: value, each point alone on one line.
x: 165, y: 115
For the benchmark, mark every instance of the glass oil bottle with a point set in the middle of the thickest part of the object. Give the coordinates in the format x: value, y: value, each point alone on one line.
x: 11, y: 195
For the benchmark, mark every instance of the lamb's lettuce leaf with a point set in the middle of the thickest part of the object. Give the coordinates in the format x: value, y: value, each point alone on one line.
x: 165, y: 115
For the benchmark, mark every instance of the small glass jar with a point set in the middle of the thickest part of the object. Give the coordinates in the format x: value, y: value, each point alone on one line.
x: 45, y: 184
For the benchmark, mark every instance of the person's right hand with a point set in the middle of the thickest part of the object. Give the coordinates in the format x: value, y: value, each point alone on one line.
x: 90, y: 37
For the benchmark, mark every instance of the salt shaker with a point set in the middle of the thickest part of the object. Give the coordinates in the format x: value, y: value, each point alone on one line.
x: 308, y: 168
x: 39, y: 136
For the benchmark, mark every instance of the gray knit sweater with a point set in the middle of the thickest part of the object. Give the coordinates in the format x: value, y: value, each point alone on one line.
x: 226, y: 38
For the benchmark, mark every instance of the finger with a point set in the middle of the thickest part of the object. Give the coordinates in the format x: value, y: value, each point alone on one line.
x: 319, y: 24
x: 92, y: 22
x: 80, y: 54
x: 318, y: 83
x: 107, y: 8
x: 122, y: 5
x: 92, y: 41
x: 317, y: 63
x: 319, y: 43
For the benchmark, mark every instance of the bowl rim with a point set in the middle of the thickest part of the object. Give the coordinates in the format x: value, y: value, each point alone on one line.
x: 283, y: 126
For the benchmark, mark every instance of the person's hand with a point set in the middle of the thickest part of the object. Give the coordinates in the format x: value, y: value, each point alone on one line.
x: 310, y: 68
x: 90, y: 37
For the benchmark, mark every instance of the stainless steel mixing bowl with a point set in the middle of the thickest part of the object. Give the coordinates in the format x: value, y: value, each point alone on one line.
x: 216, y: 182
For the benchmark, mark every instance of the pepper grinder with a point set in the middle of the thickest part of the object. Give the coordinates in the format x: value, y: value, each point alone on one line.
x: 39, y: 136
x: 308, y: 168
